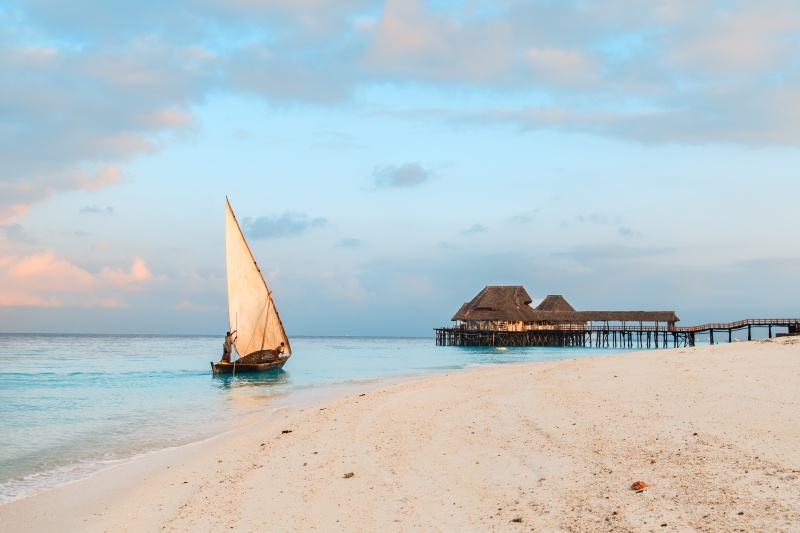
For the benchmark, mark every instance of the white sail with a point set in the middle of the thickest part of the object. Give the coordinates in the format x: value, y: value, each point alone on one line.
x: 251, y: 310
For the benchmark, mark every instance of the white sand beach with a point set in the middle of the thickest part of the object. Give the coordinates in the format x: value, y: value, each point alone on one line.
x: 713, y: 432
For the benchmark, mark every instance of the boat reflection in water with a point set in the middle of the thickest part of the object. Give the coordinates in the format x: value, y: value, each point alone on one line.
x: 271, y: 379
x: 249, y: 397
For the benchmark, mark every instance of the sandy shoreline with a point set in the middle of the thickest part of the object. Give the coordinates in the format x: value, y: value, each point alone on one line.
x: 555, y: 446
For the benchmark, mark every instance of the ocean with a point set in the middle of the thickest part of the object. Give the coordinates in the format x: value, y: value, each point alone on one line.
x: 72, y: 405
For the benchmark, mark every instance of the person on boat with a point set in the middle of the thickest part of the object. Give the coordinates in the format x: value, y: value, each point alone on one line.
x: 227, y: 346
x: 280, y: 349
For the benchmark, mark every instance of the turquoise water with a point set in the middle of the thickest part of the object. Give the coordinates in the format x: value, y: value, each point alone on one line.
x: 71, y: 405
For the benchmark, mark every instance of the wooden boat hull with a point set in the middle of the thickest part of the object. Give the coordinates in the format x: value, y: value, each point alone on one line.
x: 231, y: 368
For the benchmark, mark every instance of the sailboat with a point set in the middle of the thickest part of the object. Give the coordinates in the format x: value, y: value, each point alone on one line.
x: 260, y: 339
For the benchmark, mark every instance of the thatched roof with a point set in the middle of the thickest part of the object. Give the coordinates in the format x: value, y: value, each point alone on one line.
x: 494, y: 302
x: 555, y: 302
x: 512, y: 303
x: 462, y: 313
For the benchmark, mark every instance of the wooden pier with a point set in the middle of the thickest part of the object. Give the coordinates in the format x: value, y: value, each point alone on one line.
x: 611, y: 336
x: 792, y: 326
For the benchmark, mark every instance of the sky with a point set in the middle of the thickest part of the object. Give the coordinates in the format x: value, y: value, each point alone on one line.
x: 387, y: 160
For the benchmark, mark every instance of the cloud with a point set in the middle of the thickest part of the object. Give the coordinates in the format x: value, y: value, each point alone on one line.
x: 19, y: 193
x: 564, y: 67
x: 45, y: 280
x: 592, y: 219
x: 97, y: 210
x: 524, y: 218
x: 351, y: 243
x: 73, y: 115
x: 289, y: 224
x: 130, y: 280
x: 627, y: 232
x: 688, y: 74
x: 749, y: 37
x: 15, y: 232
x: 88, y: 88
x: 476, y: 228
x: 596, y: 219
x: 98, y: 178
x: 269, y: 72
x: 407, y: 175
x: 11, y: 210
x: 411, y: 41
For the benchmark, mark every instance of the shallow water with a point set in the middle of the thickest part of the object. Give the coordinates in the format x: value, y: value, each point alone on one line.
x: 71, y: 405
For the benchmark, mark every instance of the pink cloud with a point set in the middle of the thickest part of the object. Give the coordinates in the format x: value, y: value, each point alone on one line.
x: 565, y: 67
x: 46, y: 273
x: 44, y: 280
x: 7, y: 212
x: 100, y: 179
x: 12, y: 298
x: 755, y: 36
x: 167, y: 118
x: 409, y: 39
x: 79, y: 115
x: 38, y: 189
x: 132, y: 280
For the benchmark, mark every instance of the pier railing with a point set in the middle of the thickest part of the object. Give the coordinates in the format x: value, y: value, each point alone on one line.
x: 739, y: 324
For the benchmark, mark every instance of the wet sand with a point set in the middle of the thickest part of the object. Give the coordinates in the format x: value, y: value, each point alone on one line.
x: 712, y: 432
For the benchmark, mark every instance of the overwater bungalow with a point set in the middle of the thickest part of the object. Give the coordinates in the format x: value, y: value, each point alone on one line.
x: 502, y: 315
